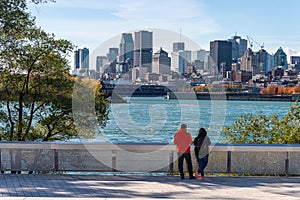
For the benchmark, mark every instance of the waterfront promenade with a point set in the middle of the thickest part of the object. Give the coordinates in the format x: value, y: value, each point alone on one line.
x: 17, y: 187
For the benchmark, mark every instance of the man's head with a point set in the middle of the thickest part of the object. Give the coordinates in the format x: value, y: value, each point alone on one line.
x: 183, y: 126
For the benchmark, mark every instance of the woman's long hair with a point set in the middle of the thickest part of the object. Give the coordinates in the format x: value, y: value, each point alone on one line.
x: 202, y: 132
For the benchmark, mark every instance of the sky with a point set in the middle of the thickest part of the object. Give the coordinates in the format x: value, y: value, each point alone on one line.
x: 91, y: 23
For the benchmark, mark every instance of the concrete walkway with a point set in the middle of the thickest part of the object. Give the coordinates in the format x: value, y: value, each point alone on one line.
x: 134, y: 186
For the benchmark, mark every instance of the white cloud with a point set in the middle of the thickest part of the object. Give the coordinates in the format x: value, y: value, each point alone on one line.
x: 291, y: 52
x: 157, y: 9
x: 273, y: 42
x: 189, y: 15
x: 119, y: 16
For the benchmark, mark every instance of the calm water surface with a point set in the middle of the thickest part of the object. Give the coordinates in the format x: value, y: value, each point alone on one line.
x: 155, y: 119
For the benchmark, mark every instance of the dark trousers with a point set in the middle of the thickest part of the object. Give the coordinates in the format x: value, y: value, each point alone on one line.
x: 202, y: 164
x: 188, y: 159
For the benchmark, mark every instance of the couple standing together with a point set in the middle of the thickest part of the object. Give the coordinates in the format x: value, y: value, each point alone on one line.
x: 183, y: 140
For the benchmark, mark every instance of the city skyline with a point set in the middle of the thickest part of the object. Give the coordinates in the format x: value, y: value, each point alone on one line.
x: 90, y: 23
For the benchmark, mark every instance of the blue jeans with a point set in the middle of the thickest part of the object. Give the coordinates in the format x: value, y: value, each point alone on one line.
x: 188, y: 159
x: 202, y: 164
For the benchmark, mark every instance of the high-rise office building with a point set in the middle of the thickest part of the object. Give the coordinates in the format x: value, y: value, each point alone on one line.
x: 126, y: 47
x: 180, y: 61
x: 295, y: 60
x: 261, y: 62
x: 256, y: 62
x: 81, y: 62
x: 161, y: 63
x: 178, y: 46
x: 112, y: 54
x: 143, y: 48
x: 199, y: 55
x: 239, y: 46
x: 264, y: 61
x: 246, y: 61
x: 100, y: 63
x: 220, y: 57
x: 76, y: 60
x: 180, y: 58
x: 184, y: 60
x: 280, y: 58
x: 81, y: 59
x: 200, y: 59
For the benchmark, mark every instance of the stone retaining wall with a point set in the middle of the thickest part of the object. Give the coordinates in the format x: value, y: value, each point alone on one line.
x: 84, y: 157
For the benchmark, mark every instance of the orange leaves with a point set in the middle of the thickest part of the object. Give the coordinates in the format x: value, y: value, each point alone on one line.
x: 279, y: 90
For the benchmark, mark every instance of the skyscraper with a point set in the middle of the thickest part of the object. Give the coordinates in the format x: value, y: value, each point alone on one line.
x: 83, y: 56
x: 100, y: 63
x: 161, y: 63
x: 239, y: 46
x: 143, y: 47
x: 296, y: 61
x: 280, y: 58
x: 76, y: 60
x: 200, y: 57
x: 220, y: 57
x: 113, y: 54
x: 184, y: 60
x: 126, y: 47
x: 256, y: 62
x: 180, y: 61
x: 261, y: 61
x: 177, y: 46
x: 246, y: 61
x: 180, y: 58
x: 81, y: 62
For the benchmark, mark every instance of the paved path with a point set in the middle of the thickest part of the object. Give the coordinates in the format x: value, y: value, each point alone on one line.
x: 29, y: 187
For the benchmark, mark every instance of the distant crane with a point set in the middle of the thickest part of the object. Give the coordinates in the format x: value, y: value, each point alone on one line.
x: 251, y: 40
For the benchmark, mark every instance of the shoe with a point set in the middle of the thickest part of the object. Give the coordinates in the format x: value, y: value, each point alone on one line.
x: 196, y: 174
x: 192, y: 177
x: 182, y: 177
x: 202, y: 177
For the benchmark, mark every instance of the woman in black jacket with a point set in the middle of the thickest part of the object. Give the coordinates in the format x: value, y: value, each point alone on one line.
x: 201, y: 149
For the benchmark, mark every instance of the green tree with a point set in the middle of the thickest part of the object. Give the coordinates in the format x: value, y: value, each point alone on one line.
x: 36, y: 88
x: 88, y: 117
x: 261, y: 129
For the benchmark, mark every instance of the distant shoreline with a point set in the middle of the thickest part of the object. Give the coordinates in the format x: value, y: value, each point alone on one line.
x: 120, y: 91
x: 231, y: 96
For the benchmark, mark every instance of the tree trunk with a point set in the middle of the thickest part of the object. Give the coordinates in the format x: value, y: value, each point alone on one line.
x: 20, y: 118
x: 12, y: 124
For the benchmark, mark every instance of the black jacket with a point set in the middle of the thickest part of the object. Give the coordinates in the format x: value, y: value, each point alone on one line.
x: 201, y: 146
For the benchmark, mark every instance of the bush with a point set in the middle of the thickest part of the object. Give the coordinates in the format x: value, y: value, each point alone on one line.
x: 262, y: 129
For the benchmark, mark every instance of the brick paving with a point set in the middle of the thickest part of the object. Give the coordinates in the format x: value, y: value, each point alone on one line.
x: 48, y: 187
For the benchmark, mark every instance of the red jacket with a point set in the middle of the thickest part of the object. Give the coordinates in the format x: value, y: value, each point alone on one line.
x: 183, y: 140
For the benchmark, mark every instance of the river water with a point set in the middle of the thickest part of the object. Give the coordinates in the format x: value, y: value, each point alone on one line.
x: 155, y: 119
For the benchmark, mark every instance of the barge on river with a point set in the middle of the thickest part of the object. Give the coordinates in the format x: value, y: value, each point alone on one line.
x: 242, y: 96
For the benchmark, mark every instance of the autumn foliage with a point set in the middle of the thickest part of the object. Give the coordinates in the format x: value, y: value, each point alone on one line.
x: 280, y: 90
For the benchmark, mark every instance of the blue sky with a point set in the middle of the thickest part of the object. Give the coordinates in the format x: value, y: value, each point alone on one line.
x: 89, y: 23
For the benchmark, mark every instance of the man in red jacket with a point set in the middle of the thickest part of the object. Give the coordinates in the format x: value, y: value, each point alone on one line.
x: 183, y: 140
